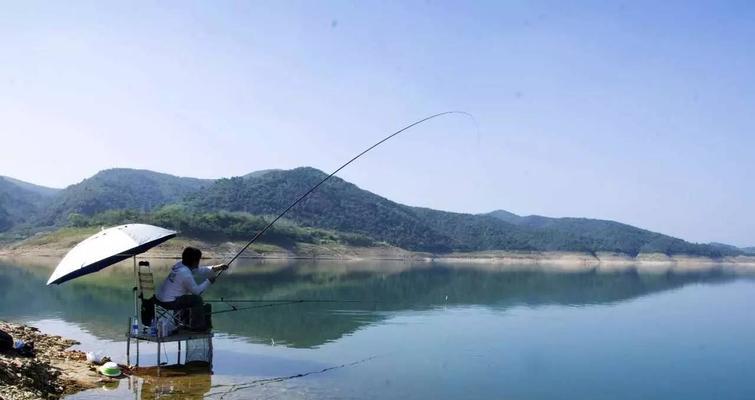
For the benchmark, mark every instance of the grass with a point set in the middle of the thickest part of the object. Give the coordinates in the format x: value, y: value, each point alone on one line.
x: 62, y: 237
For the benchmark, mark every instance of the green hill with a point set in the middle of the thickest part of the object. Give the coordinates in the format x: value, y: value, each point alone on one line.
x: 336, y: 205
x: 338, y: 211
x: 118, y: 189
x: 41, y: 190
x: 342, y: 206
x: 734, y: 249
x: 602, y: 235
x: 20, y: 201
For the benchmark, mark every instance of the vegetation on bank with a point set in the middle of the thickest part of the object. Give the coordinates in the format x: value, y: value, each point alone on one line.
x: 220, y: 226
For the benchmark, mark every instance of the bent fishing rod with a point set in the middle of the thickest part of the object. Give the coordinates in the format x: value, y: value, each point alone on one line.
x: 313, y: 188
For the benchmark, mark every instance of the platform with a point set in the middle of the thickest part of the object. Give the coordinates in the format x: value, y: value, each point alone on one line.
x: 177, y: 337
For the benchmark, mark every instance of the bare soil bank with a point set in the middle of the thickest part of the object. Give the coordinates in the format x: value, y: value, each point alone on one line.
x: 56, y: 244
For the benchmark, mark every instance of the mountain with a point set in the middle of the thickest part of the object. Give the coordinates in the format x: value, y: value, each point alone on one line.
x: 730, y: 248
x: 724, y: 246
x: 338, y: 210
x: 21, y: 201
x: 337, y: 205
x: 41, y: 190
x: 506, y: 216
x: 342, y: 206
x: 603, y: 235
x: 257, y: 174
x: 120, y: 188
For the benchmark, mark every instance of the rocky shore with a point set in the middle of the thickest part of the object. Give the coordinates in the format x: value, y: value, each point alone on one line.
x: 54, y: 371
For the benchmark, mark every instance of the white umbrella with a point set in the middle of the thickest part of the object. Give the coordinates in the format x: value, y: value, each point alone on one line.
x: 108, y: 247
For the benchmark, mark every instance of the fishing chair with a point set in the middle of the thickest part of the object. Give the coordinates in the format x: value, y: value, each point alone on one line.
x: 151, y: 308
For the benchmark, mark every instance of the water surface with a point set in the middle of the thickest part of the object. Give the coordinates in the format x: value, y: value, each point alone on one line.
x: 428, y: 331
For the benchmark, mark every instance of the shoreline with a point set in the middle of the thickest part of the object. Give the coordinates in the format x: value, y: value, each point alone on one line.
x: 56, y: 244
x: 54, y: 371
x: 342, y: 253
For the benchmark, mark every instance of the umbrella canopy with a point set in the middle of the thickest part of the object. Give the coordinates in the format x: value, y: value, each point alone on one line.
x: 108, y: 247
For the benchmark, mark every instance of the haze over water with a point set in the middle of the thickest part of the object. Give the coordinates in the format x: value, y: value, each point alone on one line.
x: 429, y: 331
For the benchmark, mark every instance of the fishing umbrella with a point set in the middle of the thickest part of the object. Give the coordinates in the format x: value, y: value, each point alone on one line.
x: 108, y: 247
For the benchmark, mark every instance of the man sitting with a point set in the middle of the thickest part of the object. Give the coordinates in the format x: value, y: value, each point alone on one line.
x: 180, y: 290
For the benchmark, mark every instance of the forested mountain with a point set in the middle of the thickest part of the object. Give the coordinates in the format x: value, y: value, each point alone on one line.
x: 21, y: 201
x: 733, y: 249
x: 120, y: 188
x: 611, y: 235
x: 342, y: 206
x: 41, y: 190
x: 338, y: 210
x: 337, y: 205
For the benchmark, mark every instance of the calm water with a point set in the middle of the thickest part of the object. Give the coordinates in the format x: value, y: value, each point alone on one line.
x: 442, y: 332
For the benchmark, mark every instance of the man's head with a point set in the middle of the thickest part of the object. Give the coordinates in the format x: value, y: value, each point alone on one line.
x: 191, y: 257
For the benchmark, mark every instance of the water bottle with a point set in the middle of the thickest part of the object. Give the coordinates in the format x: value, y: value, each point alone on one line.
x: 153, y: 328
x: 135, y: 326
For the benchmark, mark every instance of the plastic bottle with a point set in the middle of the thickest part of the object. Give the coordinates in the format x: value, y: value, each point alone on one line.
x: 135, y: 326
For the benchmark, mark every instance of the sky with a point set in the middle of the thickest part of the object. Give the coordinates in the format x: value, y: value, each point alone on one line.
x: 640, y: 112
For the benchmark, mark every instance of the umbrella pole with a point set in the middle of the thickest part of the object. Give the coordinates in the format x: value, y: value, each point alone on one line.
x: 136, y: 285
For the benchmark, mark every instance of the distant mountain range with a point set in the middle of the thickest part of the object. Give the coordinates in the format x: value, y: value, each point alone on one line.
x: 338, y: 206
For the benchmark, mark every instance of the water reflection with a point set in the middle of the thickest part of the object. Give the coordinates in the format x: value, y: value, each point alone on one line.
x: 186, y: 382
x: 102, y: 302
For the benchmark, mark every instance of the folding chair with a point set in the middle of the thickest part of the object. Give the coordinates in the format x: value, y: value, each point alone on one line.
x: 147, y: 296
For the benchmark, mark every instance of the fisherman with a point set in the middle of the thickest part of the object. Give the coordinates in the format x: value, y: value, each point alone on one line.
x: 180, y: 291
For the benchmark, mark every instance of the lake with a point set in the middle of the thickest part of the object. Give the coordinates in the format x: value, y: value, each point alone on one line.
x: 427, y: 331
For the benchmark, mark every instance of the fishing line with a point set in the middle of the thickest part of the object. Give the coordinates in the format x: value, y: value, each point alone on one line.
x: 261, y: 382
x: 303, y: 196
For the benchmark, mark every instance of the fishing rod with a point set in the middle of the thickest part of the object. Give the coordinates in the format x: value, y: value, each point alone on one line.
x: 313, y: 188
x: 233, y: 308
x: 274, y: 303
x: 222, y: 300
x: 270, y: 304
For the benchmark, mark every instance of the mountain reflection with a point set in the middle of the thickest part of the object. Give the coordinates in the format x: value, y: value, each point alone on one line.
x: 102, y: 302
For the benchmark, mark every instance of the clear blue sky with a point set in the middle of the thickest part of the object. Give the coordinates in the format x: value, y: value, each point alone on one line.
x: 640, y: 112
